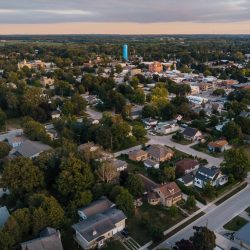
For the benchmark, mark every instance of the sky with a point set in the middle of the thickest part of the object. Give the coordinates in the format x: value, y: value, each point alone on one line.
x: 125, y: 17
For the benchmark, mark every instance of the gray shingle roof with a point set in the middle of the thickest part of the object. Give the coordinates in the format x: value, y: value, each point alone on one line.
x: 98, y: 206
x: 190, y: 132
x: 98, y: 224
x: 49, y: 240
x: 31, y: 148
x: 158, y: 151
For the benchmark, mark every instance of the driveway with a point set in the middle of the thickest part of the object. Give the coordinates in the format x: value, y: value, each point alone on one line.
x: 95, y: 115
x: 167, y: 140
x: 10, y: 134
x: 215, y: 219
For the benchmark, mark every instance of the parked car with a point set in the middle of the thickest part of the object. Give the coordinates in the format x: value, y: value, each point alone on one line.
x: 125, y: 232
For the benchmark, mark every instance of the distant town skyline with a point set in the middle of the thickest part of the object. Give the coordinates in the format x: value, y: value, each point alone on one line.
x: 125, y: 17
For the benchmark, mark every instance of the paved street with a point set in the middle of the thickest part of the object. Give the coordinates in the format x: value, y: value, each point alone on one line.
x: 166, y: 140
x: 215, y: 218
x: 10, y: 134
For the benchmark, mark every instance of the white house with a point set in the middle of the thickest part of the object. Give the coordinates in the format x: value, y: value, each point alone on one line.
x: 166, y: 128
x: 211, y: 175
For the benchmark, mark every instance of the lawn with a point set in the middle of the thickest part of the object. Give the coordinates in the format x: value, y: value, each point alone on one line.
x: 235, y: 224
x: 203, y: 148
x: 182, y: 142
x: 159, y: 217
x: 114, y: 245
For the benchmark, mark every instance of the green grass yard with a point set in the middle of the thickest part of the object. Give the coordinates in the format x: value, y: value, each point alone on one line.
x: 159, y: 217
x: 235, y: 224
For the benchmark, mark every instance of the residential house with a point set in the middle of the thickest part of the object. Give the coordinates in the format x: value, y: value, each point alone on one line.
x: 102, y: 222
x: 169, y: 194
x: 4, y: 216
x: 186, y: 166
x: 120, y: 165
x: 155, y: 67
x: 136, y: 111
x: 192, y: 134
x: 55, y: 114
x: 149, y: 163
x: 52, y: 133
x: 46, y: 81
x: 97, y: 206
x: 150, y: 122
x: 89, y: 146
x: 211, y: 175
x: 31, y: 149
x: 48, y: 239
x: 218, y: 146
x: 166, y: 128
x: 187, y: 180
x: 138, y: 155
x: 160, y: 153
x: 17, y: 140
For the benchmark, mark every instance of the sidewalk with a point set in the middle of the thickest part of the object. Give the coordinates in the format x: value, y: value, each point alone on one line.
x: 206, y: 209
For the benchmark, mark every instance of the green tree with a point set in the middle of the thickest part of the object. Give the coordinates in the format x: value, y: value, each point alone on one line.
x: 134, y: 82
x: 149, y: 111
x: 139, y: 132
x: 135, y: 185
x: 125, y: 202
x: 118, y: 68
x: 6, y: 240
x: 23, y: 219
x: 203, y: 238
x: 236, y: 163
x: 173, y: 211
x: 35, y: 131
x: 232, y: 131
x: 75, y: 176
x: 169, y: 173
x: 4, y: 149
x: 20, y: 175
x: 209, y: 190
x: 48, y: 206
x: 190, y: 202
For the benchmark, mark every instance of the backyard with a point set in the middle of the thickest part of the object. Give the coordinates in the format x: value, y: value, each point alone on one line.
x: 148, y: 219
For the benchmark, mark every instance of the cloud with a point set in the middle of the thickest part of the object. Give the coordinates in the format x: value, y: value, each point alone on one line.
x: 135, y: 11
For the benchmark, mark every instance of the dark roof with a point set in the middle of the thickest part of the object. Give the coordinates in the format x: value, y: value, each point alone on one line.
x: 186, y: 164
x: 31, y: 148
x: 49, y: 240
x: 98, y: 206
x: 98, y: 224
x: 190, y: 132
x: 150, y: 162
x: 186, y: 178
x: 211, y: 172
x: 148, y: 184
x: 243, y: 234
x: 159, y: 151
